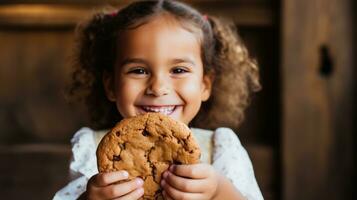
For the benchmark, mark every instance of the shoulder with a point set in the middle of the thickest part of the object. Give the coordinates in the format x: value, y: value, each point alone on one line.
x: 83, y: 152
x: 227, y: 147
x: 83, y: 164
x: 232, y: 160
x: 82, y: 140
x: 84, y: 134
x: 225, y: 137
x: 87, y: 137
x: 222, y: 138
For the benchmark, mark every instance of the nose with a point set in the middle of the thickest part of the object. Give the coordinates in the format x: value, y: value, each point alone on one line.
x: 158, y: 86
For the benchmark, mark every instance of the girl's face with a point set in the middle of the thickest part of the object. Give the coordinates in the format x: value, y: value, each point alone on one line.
x: 158, y: 69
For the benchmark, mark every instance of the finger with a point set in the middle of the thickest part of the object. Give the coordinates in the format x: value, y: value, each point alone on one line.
x: 176, y: 194
x: 195, y: 171
x: 136, y: 194
x: 120, y: 189
x: 166, y: 196
x: 184, y: 184
x: 104, y: 179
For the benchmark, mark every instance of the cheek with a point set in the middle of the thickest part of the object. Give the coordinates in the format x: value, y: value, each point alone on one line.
x: 127, y: 91
x: 191, y: 90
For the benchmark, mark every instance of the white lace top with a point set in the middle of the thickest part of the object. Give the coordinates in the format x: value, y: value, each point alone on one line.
x: 221, y: 148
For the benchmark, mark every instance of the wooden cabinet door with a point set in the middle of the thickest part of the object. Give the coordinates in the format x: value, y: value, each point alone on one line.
x: 318, y: 76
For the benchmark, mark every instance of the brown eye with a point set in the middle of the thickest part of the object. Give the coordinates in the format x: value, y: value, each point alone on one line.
x: 138, y: 71
x: 179, y: 70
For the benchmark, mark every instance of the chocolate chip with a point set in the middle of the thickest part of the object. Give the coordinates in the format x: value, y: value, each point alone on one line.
x: 177, y: 162
x: 145, y: 133
x: 116, y: 158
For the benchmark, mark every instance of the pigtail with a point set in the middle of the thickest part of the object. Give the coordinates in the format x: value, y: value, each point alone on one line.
x: 236, y: 78
x: 92, y: 36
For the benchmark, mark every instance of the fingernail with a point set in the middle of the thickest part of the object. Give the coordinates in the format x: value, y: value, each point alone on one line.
x: 139, y: 181
x: 166, y: 173
x: 171, y: 168
x: 162, y: 183
x: 125, y: 174
x: 140, y: 191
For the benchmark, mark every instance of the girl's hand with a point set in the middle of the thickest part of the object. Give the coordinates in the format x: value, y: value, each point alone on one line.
x: 197, y: 181
x: 105, y: 186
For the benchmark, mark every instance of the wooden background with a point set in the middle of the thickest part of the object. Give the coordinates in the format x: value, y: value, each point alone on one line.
x: 299, y: 130
x: 319, y: 80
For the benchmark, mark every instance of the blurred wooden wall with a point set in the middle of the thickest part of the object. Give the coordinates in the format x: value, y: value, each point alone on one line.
x: 36, y: 123
x: 319, y: 99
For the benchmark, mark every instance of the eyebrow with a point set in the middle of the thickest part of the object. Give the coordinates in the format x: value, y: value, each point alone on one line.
x: 143, y: 61
x: 183, y: 60
x: 133, y: 60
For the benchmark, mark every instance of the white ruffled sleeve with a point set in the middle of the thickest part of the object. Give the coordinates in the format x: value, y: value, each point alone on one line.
x: 232, y: 160
x: 83, y: 165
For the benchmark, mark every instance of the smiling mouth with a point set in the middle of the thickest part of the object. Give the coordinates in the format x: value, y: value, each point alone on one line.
x: 166, y: 110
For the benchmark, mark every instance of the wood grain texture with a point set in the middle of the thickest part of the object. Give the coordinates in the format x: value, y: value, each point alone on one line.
x: 35, y: 68
x: 264, y: 162
x: 121, y: 1
x: 67, y: 15
x: 317, y: 110
x: 33, y: 171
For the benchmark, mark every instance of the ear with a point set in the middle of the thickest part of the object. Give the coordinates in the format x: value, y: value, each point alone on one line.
x: 108, y: 83
x: 207, y: 82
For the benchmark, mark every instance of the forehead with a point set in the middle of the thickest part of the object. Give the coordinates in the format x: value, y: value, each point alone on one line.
x: 161, y: 37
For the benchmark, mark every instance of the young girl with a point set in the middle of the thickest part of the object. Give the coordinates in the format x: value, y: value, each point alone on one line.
x: 164, y: 56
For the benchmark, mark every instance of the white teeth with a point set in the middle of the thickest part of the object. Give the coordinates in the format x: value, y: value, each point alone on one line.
x: 166, y: 110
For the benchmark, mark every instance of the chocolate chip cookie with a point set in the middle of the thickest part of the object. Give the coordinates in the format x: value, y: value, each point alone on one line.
x: 146, y: 146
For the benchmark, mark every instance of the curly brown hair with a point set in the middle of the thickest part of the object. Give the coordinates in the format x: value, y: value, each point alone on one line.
x: 224, y: 56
